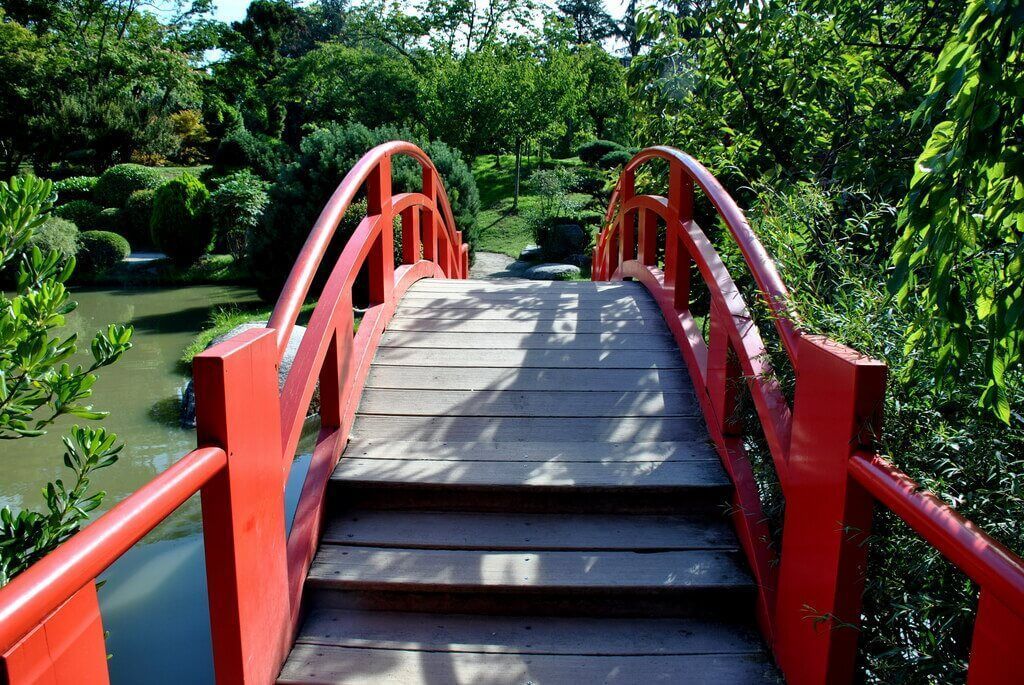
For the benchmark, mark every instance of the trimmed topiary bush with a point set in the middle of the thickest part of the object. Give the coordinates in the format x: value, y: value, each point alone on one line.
x: 100, y: 250
x: 117, y: 183
x: 75, y: 187
x: 592, y: 152
x: 180, y: 225
x: 82, y: 213
x: 243, y: 150
x: 136, y: 215
x: 236, y: 208
x: 616, y: 158
x: 109, y: 219
x: 56, y: 235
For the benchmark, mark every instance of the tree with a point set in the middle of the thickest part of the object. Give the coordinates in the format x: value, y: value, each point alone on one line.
x: 961, y: 255
x: 591, y: 22
x: 38, y: 384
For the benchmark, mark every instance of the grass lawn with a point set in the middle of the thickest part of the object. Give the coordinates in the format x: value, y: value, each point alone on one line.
x: 498, y: 229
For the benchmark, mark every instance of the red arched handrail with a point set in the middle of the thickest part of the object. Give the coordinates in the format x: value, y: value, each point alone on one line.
x: 822, y: 448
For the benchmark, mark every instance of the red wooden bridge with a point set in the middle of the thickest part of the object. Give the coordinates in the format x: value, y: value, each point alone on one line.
x: 520, y: 482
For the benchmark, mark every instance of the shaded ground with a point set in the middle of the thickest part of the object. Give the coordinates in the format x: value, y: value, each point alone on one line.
x: 491, y: 265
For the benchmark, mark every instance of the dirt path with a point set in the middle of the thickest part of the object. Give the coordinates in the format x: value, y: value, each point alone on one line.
x: 491, y: 265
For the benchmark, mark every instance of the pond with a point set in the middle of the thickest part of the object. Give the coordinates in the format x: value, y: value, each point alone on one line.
x: 153, y: 599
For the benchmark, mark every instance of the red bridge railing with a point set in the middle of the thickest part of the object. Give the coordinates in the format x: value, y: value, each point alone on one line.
x: 50, y: 626
x: 809, y: 597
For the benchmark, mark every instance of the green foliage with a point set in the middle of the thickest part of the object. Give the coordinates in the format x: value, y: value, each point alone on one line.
x: 136, y: 215
x: 56, y: 235
x: 100, y: 250
x: 180, y: 222
x: 236, y: 208
x: 38, y: 385
x: 83, y: 213
x: 556, y: 205
x: 615, y: 159
x: 109, y: 219
x: 117, y: 183
x: 961, y: 256
x: 305, y: 185
x: 75, y: 187
x: 592, y: 152
x: 243, y: 150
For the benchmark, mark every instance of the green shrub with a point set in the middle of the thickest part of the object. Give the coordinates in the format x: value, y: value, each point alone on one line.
x: 56, y: 235
x: 615, y: 159
x: 236, y: 208
x: 592, y: 152
x: 243, y: 150
x: 305, y: 185
x: 82, y: 213
x: 180, y: 225
x: 100, y: 250
x: 136, y: 215
x: 117, y: 183
x: 75, y: 187
x: 109, y: 219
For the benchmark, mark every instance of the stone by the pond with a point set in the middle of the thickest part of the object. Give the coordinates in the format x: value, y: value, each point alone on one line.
x: 552, y: 272
x: 518, y: 267
x: 531, y: 253
x: 188, y: 396
x: 580, y: 260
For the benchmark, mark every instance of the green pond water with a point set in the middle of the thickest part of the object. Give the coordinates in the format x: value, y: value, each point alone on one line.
x: 153, y: 599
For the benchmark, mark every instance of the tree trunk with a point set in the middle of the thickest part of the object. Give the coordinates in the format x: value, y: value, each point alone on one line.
x: 519, y: 168
x: 497, y: 159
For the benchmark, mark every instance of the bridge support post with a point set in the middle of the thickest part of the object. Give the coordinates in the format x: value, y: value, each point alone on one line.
x: 836, y: 409
x: 237, y: 408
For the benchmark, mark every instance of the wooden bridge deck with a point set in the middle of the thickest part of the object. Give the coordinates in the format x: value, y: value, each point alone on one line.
x: 528, y: 496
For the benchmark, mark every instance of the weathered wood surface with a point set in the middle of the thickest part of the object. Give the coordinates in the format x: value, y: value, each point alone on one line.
x: 528, y: 495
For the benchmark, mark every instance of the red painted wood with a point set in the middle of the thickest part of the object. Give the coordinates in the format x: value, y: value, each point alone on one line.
x: 243, y: 507
x: 66, y: 647
x: 837, y: 408
x: 996, y: 654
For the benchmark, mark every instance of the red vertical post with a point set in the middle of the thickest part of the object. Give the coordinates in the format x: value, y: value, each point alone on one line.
x: 381, y: 259
x: 648, y: 238
x: 428, y: 226
x: 237, y: 409
x: 677, y: 257
x: 627, y: 219
x: 67, y: 647
x: 996, y: 654
x: 724, y: 374
x: 837, y: 409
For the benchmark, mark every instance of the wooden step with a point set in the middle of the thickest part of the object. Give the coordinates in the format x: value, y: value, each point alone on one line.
x: 517, y: 429
x: 612, y: 583
x: 494, y: 313
x: 505, y: 378
x: 562, y: 325
x: 323, y: 664
x: 516, y: 531
x: 512, y: 403
x: 414, y: 649
x: 520, y: 359
x: 529, y: 341
x: 527, y: 451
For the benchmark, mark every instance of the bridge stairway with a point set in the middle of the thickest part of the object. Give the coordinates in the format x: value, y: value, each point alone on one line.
x: 528, y: 496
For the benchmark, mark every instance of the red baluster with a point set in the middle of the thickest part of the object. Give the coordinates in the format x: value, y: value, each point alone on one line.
x: 997, y: 656
x: 381, y: 260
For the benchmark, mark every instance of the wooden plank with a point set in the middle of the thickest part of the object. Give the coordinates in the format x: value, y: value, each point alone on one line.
x: 524, y: 285
x: 538, y: 326
x: 561, y: 452
x: 434, y: 570
x: 630, y: 306
x: 561, y: 359
x: 521, y: 314
x: 528, y: 634
x: 528, y: 299
x: 460, y: 429
x: 609, y: 404
x: 515, y: 531
x: 494, y: 378
x: 532, y: 475
x: 530, y: 341
x: 355, y: 666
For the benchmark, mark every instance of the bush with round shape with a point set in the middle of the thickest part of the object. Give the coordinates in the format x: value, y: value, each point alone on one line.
x: 243, y: 150
x: 82, y: 213
x: 109, y: 219
x: 100, y: 250
x: 75, y: 187
x: 615, y: 159
x: 592, y: 152
x: 56, y: 235
x: 117, y: 183
x: 304, y: 186
x: 135, y: 217
x: 236, y: 208
x: 179, y: 225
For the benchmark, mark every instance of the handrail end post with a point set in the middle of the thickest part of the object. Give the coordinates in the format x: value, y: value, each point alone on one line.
x: 237, y: 408
x: 836, y: 409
